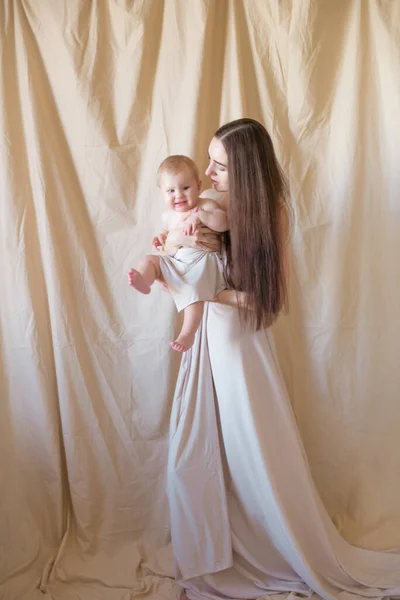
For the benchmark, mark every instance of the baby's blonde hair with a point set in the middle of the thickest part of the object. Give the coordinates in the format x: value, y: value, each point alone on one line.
x: 173, y: 164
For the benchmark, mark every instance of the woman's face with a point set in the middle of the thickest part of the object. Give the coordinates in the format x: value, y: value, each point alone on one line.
x: 217, y: 170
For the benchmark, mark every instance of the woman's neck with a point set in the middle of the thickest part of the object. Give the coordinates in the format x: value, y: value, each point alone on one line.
x: 223, y: 201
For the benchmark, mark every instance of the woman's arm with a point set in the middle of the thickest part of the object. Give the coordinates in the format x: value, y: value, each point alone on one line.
x: 211, y: 215
x: 231, y: 298
x: 214, y: 219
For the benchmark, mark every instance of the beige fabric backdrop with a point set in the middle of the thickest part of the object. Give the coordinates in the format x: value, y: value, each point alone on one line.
x: 95, y: 93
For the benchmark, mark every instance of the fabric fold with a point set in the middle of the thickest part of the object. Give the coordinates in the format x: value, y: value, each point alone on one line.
x: 196, y: 487
x: 246, y: 517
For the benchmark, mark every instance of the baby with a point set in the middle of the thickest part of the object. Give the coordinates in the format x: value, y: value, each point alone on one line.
x: 193, y: 276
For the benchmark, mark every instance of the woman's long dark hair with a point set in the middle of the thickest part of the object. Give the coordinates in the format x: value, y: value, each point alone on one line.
x: 257, y: 211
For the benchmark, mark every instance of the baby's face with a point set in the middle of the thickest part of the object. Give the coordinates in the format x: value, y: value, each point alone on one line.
x: 180, y: 190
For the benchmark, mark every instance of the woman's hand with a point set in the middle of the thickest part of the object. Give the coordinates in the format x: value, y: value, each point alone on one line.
x: 206, y: 239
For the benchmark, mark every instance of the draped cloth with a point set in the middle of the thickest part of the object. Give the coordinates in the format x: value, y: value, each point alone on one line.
x: 246, y: 517
x: 94, y: 95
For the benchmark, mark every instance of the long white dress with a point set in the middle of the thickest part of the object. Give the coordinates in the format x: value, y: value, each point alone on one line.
x: 246, y: 518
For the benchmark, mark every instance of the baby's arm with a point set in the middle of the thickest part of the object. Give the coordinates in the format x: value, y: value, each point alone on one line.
x: 212, y: 216
x: 209, y: 214
x: 159, y: 240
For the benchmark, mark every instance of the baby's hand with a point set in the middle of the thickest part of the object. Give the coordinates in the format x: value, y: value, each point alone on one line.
x: 188, y: 216
x: 191, y: 225
x: 187, y: 228
x: 159, y: 241
x: 191, y: 222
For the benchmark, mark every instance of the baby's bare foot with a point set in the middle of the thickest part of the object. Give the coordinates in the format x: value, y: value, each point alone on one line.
x: 137, y: 281
x: 183, y: 342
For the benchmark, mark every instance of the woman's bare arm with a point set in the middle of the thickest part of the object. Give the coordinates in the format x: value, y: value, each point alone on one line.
x: 214, y: 219
x: 231, y: 298
x: 212, y: 215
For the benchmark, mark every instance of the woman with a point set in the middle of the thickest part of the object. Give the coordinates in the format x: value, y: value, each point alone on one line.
x: 246, y: 519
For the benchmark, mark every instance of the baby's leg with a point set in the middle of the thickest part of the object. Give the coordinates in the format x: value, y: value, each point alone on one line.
x: 147, y: 272
x: 192, y: 316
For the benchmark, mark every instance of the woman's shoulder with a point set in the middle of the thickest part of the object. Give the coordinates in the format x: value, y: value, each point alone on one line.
x: 213, y: 195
